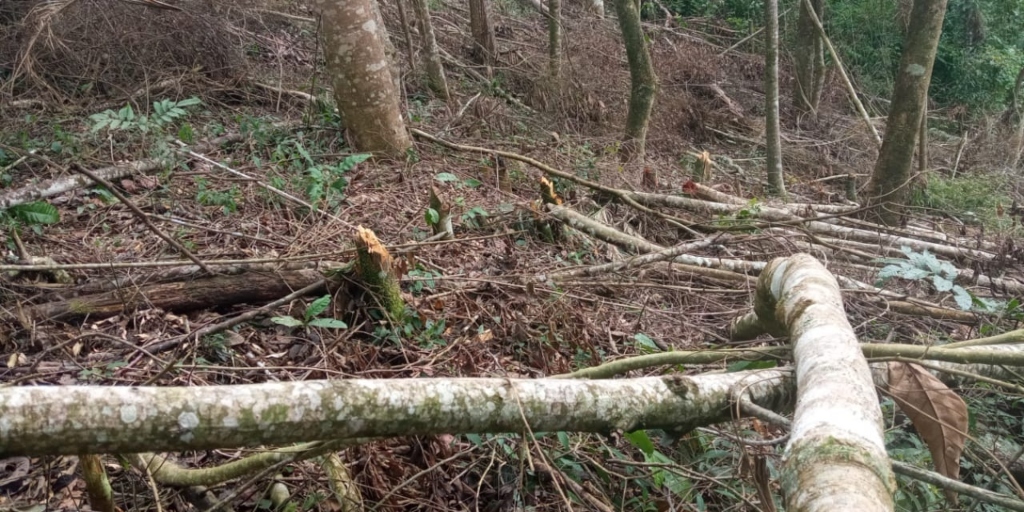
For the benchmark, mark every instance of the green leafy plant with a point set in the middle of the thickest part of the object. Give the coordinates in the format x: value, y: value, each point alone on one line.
x: 424, y: 280
x: 322, y: 183
x: 165, y: 112
x: 33, y: 215
x: 309, y: 317
x: 678, y: 485
x: 426, y: 332
x: 447, y: 177
x: 474, y: 217
x: 924, y: 266
x: 226, y: 199
x: 325, y: 182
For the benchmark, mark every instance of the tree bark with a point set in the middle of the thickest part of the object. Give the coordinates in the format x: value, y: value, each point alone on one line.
x: 250, y: 287
x: 643, y: 82
x: 810, y: 59
x: 555, y: 39
x: 41, y: 420
x: 483, y: 32
x: 888, y: 186
x: 836, y: 458
x: 407, y: 32
x: 776, y: 185
x: 436, y: 79
x: 361, y: 73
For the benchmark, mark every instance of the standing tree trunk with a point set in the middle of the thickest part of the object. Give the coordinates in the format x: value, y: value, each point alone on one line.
x: 431, y: 57
x: 643, y: 82
x: 776, y: 186
x: 888, y: 186
x: 555, y: 39
x: 810, y: 58
x: 483, y: 32
x: 360, y: 72
x: 407, y: 32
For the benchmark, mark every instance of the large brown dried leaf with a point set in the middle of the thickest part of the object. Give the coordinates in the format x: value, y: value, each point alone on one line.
x: 938, y: 414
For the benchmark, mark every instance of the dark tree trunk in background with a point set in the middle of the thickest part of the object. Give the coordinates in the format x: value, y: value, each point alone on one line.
x: 431, y: 56
x: 776, y: 185
x: 810, y: 59
x: 888, y: 186
x: 643, y: 82
x: 483, y: 32
x: 555, y: 39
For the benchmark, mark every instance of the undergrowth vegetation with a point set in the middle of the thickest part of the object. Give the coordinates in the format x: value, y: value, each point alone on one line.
x: 975, y: 199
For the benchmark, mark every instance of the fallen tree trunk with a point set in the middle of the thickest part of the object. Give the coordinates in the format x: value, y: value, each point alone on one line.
x: 250, y: 287
x: 50, y: 188
x: 42, y: 420
x: 773, y: 214
x: 836, y: 458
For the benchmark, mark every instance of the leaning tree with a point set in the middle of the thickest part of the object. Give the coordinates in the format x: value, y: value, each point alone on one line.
x: 888, y: 188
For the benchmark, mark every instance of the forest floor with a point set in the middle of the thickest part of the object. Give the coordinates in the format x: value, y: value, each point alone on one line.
x: 482, y: 306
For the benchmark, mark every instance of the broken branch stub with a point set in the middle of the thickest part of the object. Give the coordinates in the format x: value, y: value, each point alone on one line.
x: 377, y: 270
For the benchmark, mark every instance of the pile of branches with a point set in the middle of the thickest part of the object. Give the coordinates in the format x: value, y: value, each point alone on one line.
x: 70, y: 47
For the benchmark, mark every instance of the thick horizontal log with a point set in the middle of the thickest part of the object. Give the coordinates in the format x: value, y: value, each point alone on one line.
x: 40, y: 420
x: 251, y: 287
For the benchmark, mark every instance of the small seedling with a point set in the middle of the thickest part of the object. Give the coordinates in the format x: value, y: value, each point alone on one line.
x: 164, y: 113
x: 309, y: 317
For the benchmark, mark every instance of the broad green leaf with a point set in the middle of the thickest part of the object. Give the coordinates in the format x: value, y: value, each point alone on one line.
x: 446, y: 177
x: 37, y: 212
x: 188, y: 102
x: 432, y: 217
x: 941, y: 283
x: 563, y: 438
x: 287, y: 321
x: 750, y: 365
x: 645, y: 342
x: 641, y: 440
x: 352, y: 160
x: 100, y: 124
x: 127, y: 113
x: 915, y: 274
x: 305, y: 154
x: 472, y: 183
x: 318, y: 306
x: 963, y: 298
x: 329, y: 323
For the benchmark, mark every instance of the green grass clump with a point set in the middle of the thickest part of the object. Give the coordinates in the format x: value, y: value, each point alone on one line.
x: 973, y: 199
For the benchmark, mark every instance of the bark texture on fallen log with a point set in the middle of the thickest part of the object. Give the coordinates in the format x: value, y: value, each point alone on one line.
x: 250, y: 287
